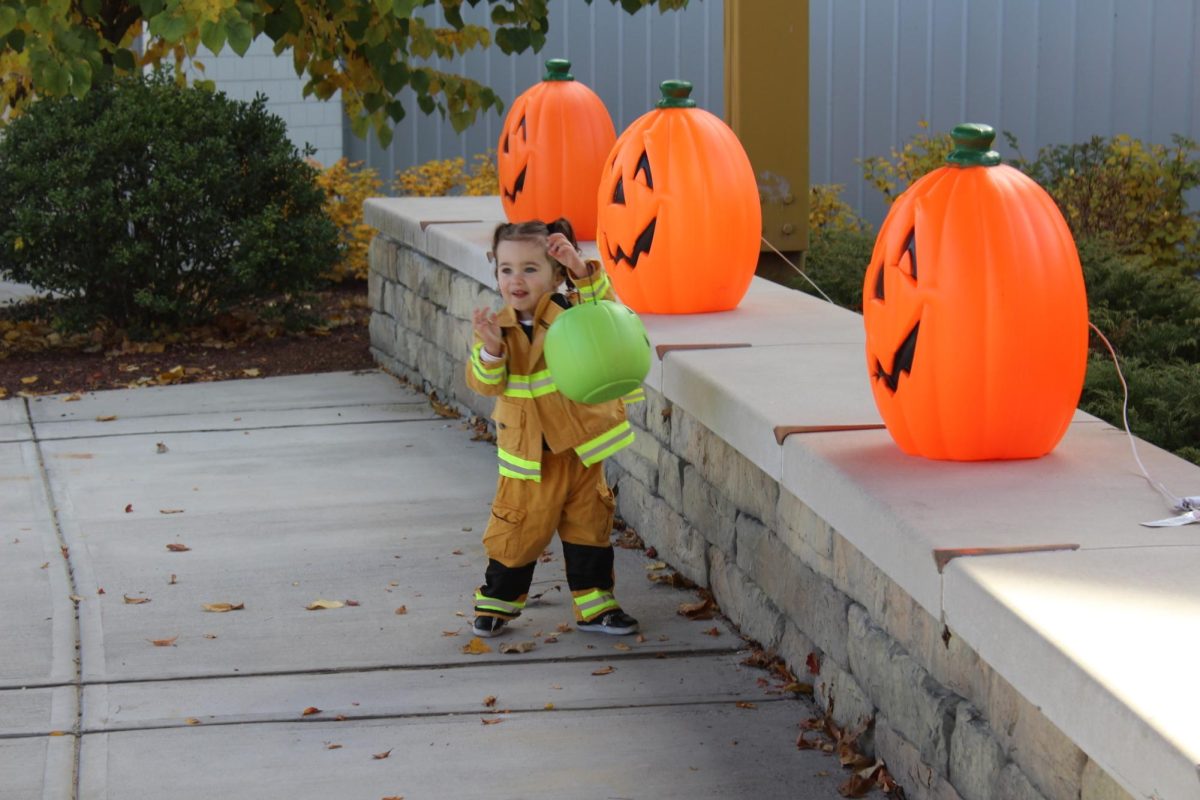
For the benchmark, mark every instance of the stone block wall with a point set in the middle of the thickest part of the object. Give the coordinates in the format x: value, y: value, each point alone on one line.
x: 947, y: 726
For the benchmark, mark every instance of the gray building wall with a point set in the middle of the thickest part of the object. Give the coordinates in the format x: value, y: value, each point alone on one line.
x: 1049, y: 71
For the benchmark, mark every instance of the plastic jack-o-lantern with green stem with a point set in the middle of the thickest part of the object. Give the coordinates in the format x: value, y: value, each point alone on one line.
x: 975, y: 312
x: 679, y: 219
x: 551, y: 149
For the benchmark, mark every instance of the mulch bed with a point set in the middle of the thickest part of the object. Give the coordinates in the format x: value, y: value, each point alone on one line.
x: 36, y: 360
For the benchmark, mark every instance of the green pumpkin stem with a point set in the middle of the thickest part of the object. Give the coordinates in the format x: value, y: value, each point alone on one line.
x: 675, y: 95
x: 558, y: 69
x: 973, y: 146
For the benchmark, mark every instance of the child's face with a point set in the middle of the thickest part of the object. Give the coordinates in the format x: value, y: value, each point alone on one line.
x: 525, y: 273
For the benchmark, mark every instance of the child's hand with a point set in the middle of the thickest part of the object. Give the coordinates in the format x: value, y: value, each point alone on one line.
x: 485, y: 325
x: 561, y: 250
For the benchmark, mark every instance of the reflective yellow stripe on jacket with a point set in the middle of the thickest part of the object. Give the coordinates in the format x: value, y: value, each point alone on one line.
x: 513, y: 466
x: 636, y: 396
x: 604, y: 445
x: 530, y: 386
x: 597, y: 289
x: 486, y: 373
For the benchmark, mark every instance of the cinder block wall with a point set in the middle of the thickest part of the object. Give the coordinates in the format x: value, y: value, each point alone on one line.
x: 947, y: 726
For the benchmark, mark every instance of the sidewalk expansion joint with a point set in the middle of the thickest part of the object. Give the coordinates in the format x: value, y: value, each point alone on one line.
x: 506, y: 713
x: 52, y: 509
x: 443, y: 666
x: 89, y: 437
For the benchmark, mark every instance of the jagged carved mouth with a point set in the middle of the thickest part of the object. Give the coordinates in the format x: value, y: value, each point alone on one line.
x: 902, y: 361
x: 518, y: 185
x: 641, y: 245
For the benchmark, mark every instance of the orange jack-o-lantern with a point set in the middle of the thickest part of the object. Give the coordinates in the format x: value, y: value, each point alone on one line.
x: 679, y: 216
x: 551, y: 149
x: 975, y: 312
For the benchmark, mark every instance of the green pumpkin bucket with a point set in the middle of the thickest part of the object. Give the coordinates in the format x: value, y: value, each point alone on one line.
x: 597, y: 352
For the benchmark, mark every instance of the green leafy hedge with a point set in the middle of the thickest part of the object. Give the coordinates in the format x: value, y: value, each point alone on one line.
x: 151, y: 205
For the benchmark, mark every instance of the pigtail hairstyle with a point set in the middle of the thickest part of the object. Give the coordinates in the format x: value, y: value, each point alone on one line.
x: 532, y: 231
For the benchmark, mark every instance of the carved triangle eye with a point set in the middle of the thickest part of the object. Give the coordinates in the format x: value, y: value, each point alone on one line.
x: 506, y: 142
x: 643, y: 167
x: 619, y: 192
x: 524, y: 132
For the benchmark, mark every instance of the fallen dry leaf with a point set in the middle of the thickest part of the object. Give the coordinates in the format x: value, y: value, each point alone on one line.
x: 745, y: 704
x: 393, y: 797
x: 563, y: 627
x: 380, y: 756
x: 160, y: 447
x: 221, y: 608
x: 317, y: 605
x: 353, y: 603
x: 604, y: 670
x: 175, y: 547
x: 170, y: 511
x: 333, y: 747
x: 640, y: 638
x: 106, y: 418
x: 129, y: 508
x: 174, y: 579
x: 449, y: 633
x: 58, y: 733
x: 308, y: 712
x: 492, y: 721
x: 252, y: 372
x: 75, y: 598
x: 136, y: 601
x: 476, y: 647
x: 813, y: 663
x: 402, y: 610
x: 163, y: 642
x: 210, y: 636
x: 713, y: 631
x: 71, y: 398
x: 550, y: 640
x: 517, y: 647
x: 490, y: 701
x: 624, y: 648
x: 456, y: 552
x: 653, y: 565
x: 548, y: 707
x: 192, y: 721
x: 45, y: 565
x: 701, y: 609
x: 32, y: 379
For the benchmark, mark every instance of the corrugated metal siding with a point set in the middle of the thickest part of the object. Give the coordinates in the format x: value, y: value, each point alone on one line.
x: 622, y: 57
x: 1049, y: 71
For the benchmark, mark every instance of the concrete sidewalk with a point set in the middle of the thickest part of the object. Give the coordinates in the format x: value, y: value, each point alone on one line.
x: 340, y: 487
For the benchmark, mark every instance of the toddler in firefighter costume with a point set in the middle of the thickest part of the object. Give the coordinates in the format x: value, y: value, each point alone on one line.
x: 550, y: 448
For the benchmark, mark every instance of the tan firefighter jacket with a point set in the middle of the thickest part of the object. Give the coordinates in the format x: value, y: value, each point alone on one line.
x: 530, y: 413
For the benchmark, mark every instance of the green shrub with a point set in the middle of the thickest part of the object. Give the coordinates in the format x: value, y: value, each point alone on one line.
x: 1164, y: 405
x: 149, y: 204
x: 1124, y: 191
x: 922, y: 153
x: 1145, y: 310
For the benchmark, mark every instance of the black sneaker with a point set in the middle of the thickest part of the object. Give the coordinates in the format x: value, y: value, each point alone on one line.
x: 487, y: 627
x: 615, y: 622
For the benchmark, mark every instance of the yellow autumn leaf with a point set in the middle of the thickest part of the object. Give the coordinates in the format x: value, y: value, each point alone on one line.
x: 476, y: 647
x: 136, y: 601
x: 30, y: 380
x: 252, y: 372
x: 221, y: 608
x: 318, y: 604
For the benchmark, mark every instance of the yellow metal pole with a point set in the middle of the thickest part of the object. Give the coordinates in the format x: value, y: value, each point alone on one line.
x: 766, y: 104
